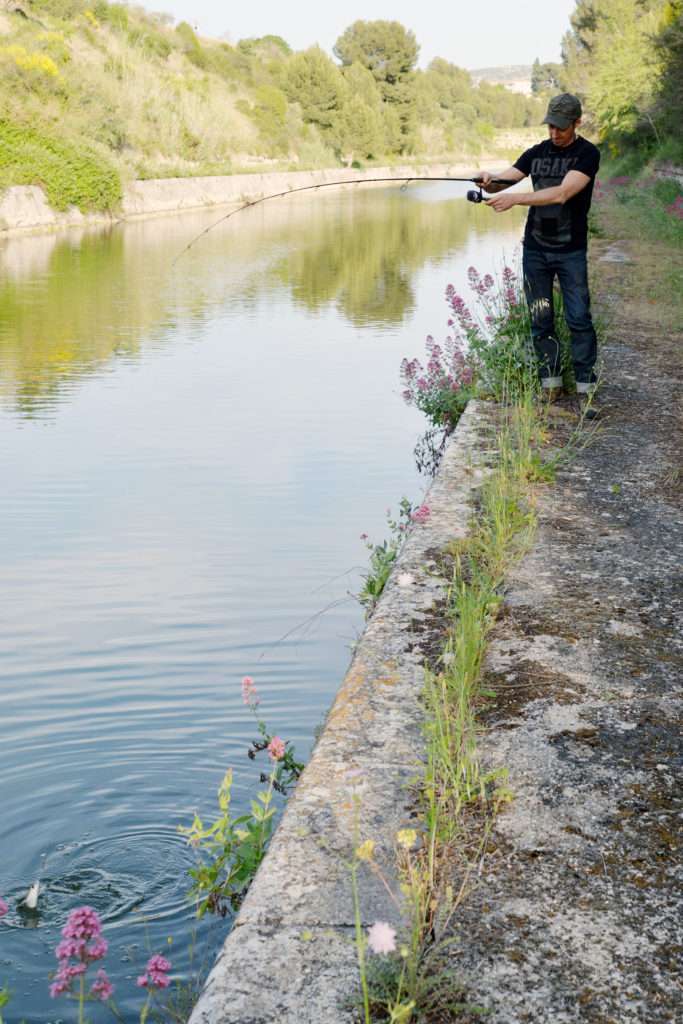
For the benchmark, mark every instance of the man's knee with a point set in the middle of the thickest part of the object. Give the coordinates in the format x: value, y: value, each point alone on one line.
x: 541, y: 312
x: 579, y: 320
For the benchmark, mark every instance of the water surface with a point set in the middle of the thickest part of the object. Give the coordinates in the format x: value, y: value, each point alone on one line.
x: 189, y: 454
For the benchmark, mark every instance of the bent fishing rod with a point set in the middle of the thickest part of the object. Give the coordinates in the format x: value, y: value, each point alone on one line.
x: 473, y: 196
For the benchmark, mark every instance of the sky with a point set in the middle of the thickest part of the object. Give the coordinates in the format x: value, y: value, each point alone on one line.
x: 471, y: 35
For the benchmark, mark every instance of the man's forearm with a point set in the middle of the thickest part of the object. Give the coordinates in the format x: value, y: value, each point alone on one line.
x: 490, y: 188
x: 544, y: 197
x: 496, y: 188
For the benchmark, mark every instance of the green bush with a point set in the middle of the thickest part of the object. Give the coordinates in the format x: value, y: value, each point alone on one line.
x: 153, y: 43
x: 70, y: 175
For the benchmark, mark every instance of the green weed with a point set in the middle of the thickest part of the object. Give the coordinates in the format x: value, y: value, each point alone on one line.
x: 71, y: 176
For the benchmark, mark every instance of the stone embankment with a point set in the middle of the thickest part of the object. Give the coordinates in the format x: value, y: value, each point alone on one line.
x: 291, y: 956
x: 25, y: 208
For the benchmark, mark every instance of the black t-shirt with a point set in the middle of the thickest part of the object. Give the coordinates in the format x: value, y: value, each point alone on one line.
x: 561, y: 227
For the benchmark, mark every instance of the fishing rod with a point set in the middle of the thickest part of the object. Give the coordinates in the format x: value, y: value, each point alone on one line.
x: 473, y: 196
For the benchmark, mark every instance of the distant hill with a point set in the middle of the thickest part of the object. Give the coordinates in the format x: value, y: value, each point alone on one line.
x: 515, y: 77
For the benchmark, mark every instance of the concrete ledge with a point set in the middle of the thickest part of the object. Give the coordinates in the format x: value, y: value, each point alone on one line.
x: 25, y: 208
x: 290, y: 956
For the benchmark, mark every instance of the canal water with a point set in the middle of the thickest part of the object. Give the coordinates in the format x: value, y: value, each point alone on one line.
x: 189, y: 453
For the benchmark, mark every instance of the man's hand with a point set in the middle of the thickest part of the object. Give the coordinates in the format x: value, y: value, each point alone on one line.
x: 483, y: 178
x: 502, y: 202
x: 509, y: 176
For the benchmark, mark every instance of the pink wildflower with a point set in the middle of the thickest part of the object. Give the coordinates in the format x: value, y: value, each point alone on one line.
x: 363, y: 536
x: 83, y: 923
x: 249, y: 693
x: 156, y: 975
x: 3, y: 907
x: 65, y: 976
x: 82, y: 941
x: 102, y: 988
x: 70, y: 947
x: 421, y: 514
x: 276, y: 748
x: 382, y: 938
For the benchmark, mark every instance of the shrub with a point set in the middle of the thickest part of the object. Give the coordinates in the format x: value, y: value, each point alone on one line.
x: 70, y: 175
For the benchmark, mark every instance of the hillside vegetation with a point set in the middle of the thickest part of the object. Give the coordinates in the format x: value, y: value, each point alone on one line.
x: 95, y: 93
x: 625, y: 59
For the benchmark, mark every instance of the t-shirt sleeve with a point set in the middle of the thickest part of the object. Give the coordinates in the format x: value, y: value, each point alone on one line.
x: 588, y: 162
x: 523, y: 163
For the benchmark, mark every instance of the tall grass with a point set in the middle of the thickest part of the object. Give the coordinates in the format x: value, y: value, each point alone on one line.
x: 422, y: 985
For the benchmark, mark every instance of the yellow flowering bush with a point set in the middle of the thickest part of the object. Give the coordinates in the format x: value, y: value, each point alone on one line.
x: 30, y: 62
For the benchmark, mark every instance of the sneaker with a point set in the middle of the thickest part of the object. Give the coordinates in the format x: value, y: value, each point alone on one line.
x: 585, y: 406
x: 552, y: 394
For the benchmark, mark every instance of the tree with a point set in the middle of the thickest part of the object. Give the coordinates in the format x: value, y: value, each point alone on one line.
x: 385, y: 48
x: 668, y: 106
x: 545, y: 77
x: 316, y: 84
x: 389, y: 51
x: 612, y: 61
x: 360, y: 129
x: 361, y: 82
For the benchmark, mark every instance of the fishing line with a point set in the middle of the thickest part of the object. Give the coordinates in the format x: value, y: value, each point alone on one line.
x: 474, y: 196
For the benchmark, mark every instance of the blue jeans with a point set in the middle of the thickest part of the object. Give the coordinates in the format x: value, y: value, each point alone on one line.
x: 540, y: 268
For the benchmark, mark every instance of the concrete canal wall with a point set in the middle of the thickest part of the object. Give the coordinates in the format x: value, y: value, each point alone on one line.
x: 291, y: 956
x: 24, y: 208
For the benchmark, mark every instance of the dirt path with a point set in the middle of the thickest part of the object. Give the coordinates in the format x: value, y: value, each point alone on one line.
x: 577, y: 916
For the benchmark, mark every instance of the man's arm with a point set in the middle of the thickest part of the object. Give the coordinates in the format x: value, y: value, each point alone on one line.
x: 572, y: 183
x: 511, y: 174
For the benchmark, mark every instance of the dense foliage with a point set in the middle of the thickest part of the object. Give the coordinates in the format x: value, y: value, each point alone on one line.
x: 70, y: 175
x: 625, y: 58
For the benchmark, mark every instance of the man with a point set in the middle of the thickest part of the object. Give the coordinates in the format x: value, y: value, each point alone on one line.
x: 562, y: 170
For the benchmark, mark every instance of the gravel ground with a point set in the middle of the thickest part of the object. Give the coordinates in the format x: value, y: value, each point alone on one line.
x: 576, y: 916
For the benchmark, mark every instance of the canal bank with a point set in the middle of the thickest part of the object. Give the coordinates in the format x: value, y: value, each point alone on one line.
x: 24, y: 208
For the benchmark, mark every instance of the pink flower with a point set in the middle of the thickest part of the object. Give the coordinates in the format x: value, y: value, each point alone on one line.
x: 363, y: 536
x: 70, y: 947
x: 381, y: 938
x: 65, y: 976
x: 97, y: 949
x: 3, y: 907
x: 249, y: 693
x: 276, y: 748
x: 82, y: 941
x: 156, y: 975
x: 102, y: 988
x: 83, y: 923
x: 421, y: 514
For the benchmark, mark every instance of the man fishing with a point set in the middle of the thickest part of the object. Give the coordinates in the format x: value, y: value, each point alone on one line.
x: 563, y: 169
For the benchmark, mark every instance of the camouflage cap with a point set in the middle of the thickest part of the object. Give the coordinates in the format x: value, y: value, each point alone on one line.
x: 563, y: 110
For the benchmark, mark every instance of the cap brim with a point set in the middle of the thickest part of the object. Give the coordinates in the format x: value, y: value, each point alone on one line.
x: 557, y: 121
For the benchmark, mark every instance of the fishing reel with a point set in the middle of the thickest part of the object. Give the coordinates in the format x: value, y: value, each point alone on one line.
x: 475, y: 195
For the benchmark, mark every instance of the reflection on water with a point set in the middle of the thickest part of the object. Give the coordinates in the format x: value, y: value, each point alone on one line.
x: 189, y: 454
x: 70, y: 303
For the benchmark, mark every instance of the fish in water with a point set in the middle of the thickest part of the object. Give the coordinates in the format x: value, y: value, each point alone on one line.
x: 31, y: 898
